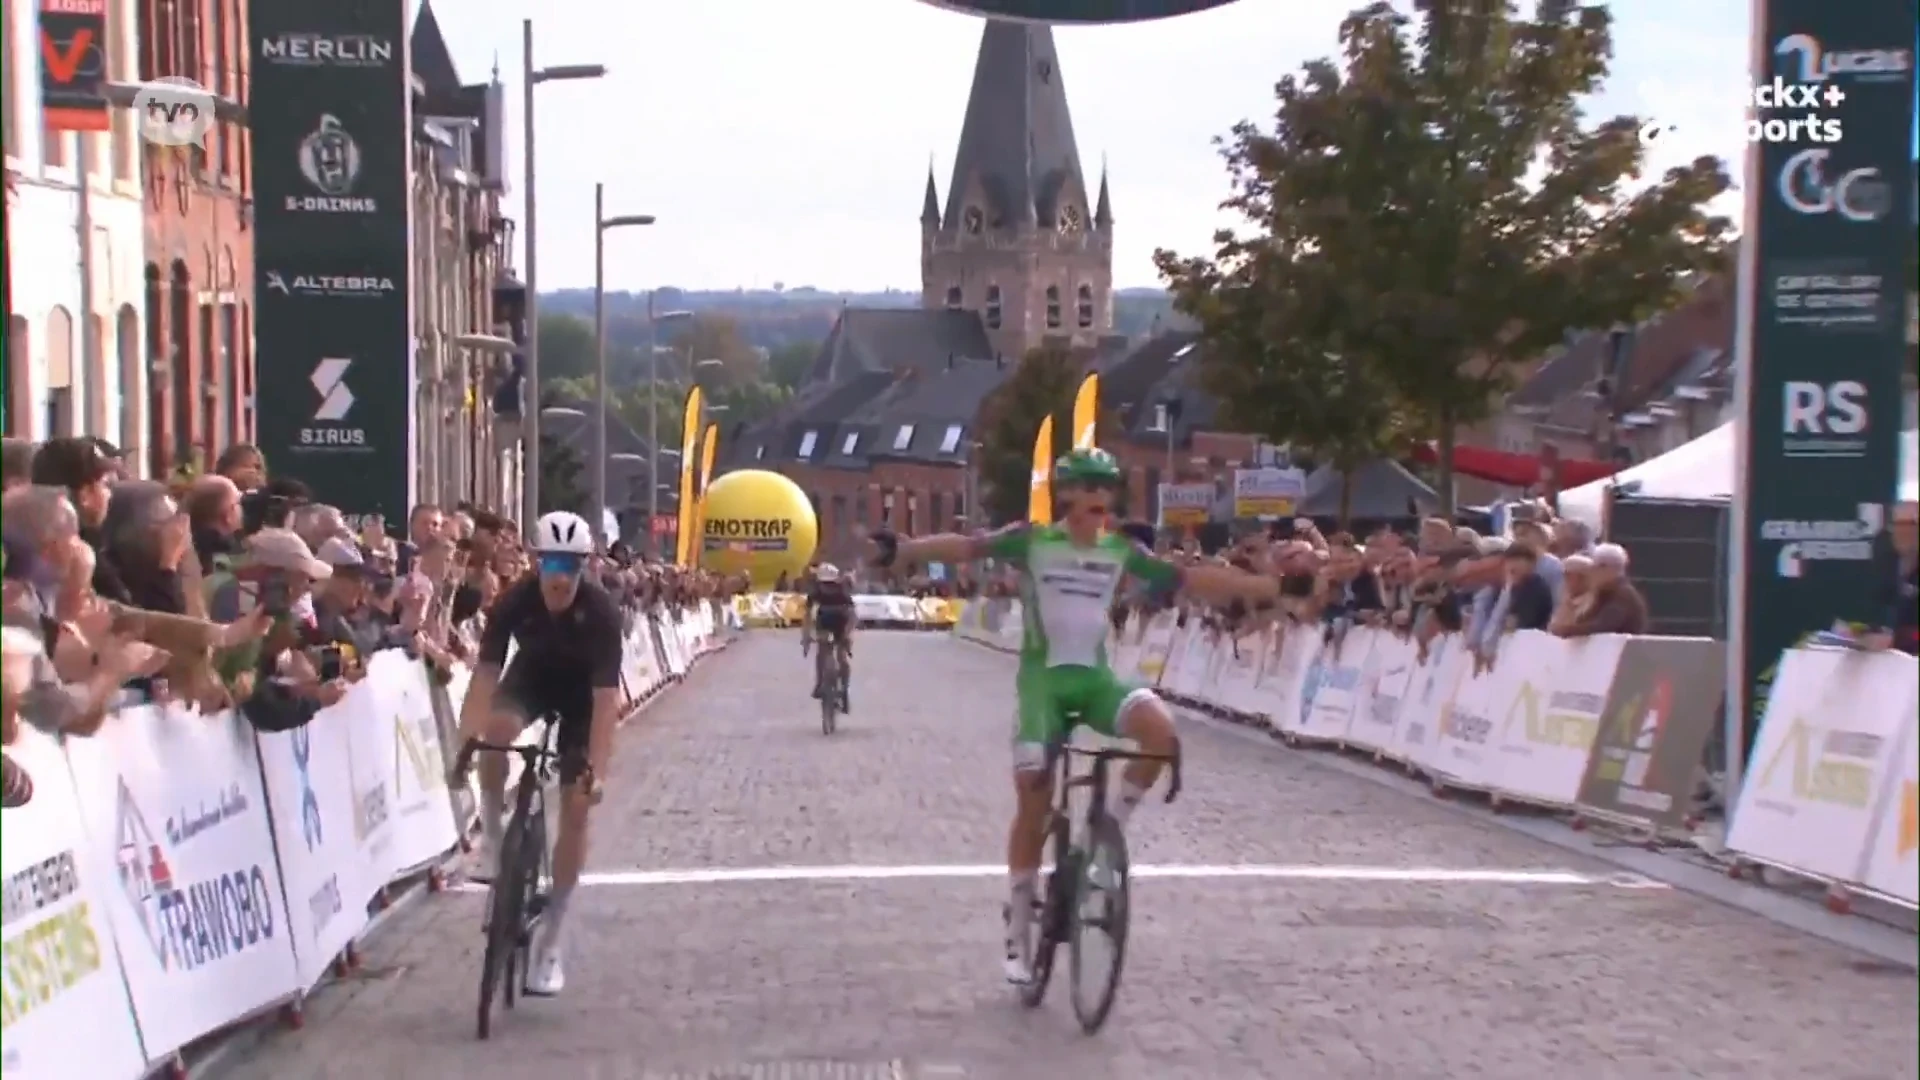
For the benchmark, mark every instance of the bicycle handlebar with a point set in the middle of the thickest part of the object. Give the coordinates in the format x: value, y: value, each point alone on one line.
x: 1110, y: 753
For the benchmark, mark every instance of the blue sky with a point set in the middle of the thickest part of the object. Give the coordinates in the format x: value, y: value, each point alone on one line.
x: 788, y: 142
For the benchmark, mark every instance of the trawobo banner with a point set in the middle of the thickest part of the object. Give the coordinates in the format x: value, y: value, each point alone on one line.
x: 1087, y: 12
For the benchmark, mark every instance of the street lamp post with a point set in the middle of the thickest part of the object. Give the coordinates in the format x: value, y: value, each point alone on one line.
x: 601, y: 223
x: 530, y: 409
x: 654, y: 450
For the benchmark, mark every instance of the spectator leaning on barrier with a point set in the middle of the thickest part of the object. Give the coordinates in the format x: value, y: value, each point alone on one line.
x: 1576, y: 596
x: 1614, y: 605
x: 1527, y: 600
x: 1532, y: 529
x: 276, y: 578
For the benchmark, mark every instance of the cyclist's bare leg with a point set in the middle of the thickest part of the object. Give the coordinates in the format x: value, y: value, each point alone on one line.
x: 1026, y: 842
x: 1145, y: 719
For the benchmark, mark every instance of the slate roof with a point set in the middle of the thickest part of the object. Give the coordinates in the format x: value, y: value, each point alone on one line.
x: 432, y: 61
x: 1017, y: 137
x: 895, y: 339
x: 1381, y: 490
x: 1662, y: 347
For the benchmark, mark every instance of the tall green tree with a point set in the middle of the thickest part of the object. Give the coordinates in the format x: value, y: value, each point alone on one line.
x: 789, y: 363
x: 1465, y: 215
x: 566, y: 347
x: 563, y: 483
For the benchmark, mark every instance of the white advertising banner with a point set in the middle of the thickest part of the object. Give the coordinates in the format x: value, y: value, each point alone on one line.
x: 1893, y: 862
x: 1389, y: 670
x: 176, y: 817
x: 1430, y: 693
x: 67, y: 1015
x: 1823, y: 759
x: 1283, y: 673
x: 309, y: 783
x: 406, y: 734
x: 1332, y: 683
x: 1554, y: 691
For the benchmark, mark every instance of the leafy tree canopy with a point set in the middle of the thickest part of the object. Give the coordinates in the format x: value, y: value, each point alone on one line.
x: 1043, y: 385
x: 1432, y: 211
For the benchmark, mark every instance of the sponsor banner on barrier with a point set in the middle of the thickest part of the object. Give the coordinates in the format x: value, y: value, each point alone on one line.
x: 176, y: 817
x: 1660, y: 712
x: 1552, y: 714
x: 1893, y: 859
x: 309, y: 784
x: 1824, y: 759
x: 66, y: 1009
x: 408, y: 737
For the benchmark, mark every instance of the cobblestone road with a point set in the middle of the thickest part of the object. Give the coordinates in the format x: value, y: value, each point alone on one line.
x: 1301, y: 977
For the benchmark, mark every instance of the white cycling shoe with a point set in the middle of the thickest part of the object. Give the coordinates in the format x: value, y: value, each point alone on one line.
x: 546, y: 974
x: 1017, y: 968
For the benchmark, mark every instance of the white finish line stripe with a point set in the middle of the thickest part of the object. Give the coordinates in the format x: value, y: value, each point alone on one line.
x: 1281, y: 872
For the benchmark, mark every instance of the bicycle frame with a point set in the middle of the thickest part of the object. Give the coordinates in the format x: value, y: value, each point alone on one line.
x: 514, y: 900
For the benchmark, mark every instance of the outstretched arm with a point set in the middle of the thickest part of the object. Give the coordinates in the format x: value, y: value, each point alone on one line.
x: 1007, y: 543
x: 1215, y: 584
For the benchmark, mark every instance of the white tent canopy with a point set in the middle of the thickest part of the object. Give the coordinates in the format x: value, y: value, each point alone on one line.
x: 1703, y: 471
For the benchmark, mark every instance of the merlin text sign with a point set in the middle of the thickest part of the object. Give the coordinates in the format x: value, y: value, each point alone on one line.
x: 330, y: 115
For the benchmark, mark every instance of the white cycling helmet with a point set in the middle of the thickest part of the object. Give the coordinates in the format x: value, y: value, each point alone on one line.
x: 826, y: 573
x: 563, y: 532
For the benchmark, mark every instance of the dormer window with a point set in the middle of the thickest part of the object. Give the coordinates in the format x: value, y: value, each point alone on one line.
x: 993, y: 307
x: 851, y: 444
x: 807, y: 442
x: 1053, y: 307
x: 950, y: 442
x: 954, y: 296
x: 760, y: 453
x: 1083, y: 301
x: 903, y: 438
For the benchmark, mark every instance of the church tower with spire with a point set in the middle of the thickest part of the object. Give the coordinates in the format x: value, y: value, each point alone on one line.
x: 1022, y: 239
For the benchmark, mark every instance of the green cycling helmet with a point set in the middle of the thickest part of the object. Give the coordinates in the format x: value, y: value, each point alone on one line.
x: 1091, y: 467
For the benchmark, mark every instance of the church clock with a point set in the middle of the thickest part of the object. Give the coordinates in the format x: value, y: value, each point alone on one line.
x: 973, y: 220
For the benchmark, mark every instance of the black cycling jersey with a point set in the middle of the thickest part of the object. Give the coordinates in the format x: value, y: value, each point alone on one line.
x: 581, y: 645
x: 831, y: 604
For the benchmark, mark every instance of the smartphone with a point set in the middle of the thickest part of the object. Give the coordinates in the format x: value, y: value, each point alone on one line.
x: 276, y: 597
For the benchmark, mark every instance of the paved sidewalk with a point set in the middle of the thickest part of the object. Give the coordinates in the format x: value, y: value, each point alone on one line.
x: 1358, y: 955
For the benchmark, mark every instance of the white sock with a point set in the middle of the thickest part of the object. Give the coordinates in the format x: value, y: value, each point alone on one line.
x: 1130, y: 796
x: 1022, y: 885
x: 493, y: 813
x: 555, y: 915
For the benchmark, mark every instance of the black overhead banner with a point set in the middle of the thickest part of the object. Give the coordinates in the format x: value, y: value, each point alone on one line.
x: 1084, y: 12
x: 330, y: 112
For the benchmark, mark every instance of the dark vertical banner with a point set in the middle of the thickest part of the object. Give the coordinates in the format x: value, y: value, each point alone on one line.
x: 73, y: 64
x: 1830, y: 228
x: 330, y: 112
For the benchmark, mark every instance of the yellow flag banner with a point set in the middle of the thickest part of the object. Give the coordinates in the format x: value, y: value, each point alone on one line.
x: 1086, y: 409
x: 709, y: 444
x: 689, y: 444
x: 1040, y: 496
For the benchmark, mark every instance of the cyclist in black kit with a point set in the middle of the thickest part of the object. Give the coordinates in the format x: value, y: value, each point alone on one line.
x: 829, y: 614
x: 567, y: 662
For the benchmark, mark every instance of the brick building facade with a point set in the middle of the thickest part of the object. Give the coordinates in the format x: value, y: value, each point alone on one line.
x: 199, y: 216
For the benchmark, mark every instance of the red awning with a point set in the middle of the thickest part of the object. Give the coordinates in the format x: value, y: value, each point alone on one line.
x: 1517, y: 470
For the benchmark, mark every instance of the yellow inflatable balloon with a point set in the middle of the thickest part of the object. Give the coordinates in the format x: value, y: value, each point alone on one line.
x: 758, y: 523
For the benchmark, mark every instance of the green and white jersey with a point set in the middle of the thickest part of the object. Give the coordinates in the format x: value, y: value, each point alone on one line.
x: 1067, y: 590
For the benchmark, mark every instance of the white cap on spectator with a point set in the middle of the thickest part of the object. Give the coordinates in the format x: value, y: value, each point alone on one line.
x: 1611, y: 556
x: 1492, y: 545
x: 283, y: 550
x: 340, y: 554
x: 1466, y: 536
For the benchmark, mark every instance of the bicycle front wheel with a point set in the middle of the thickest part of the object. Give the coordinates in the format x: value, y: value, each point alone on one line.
x: 503, y: 929
x: 1099, y: 922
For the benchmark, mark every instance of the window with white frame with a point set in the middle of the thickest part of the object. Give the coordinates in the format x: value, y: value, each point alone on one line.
x: 759, y: 453
x: 903, y: 438
x: 950, y: 442
x: 807, y: 441
x: 850, y: 444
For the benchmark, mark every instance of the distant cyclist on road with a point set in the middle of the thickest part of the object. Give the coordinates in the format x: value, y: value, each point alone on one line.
x: 829, y: 614
x: 1069, y: 574
x: 567, y: 663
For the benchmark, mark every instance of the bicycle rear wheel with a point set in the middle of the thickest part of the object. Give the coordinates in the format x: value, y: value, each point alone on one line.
x: 829, y: 694
x: 504, y: 911
x: 1099, y: 922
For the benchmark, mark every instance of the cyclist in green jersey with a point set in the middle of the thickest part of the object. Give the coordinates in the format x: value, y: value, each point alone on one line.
x: 1069, y: 574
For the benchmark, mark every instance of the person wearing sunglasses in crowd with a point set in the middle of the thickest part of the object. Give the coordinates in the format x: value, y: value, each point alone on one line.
x: 1069, y: 574
x: 567, y: 663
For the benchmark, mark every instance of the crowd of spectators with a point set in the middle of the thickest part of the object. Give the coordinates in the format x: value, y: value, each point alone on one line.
x: 1545, y: 575
x: 231, y: 588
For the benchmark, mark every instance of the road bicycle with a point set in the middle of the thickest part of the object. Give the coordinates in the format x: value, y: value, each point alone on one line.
x: 522, y: 881
x: 1087, y: 890
x: 833, y: 684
